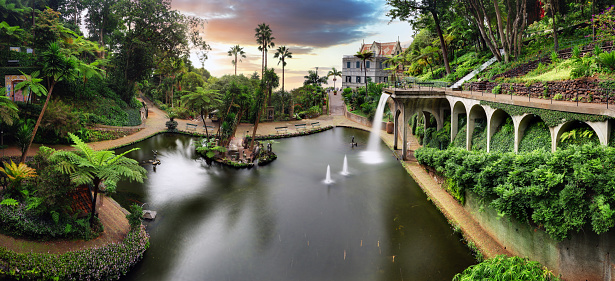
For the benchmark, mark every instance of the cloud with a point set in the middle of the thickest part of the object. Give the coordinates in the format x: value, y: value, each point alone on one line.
x: 314, y: 23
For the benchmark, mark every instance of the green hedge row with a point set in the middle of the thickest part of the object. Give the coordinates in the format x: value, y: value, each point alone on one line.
x: 106, y: 263
x: 561, y: 192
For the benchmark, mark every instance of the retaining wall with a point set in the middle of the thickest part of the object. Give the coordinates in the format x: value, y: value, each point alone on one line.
x: 583, y: 256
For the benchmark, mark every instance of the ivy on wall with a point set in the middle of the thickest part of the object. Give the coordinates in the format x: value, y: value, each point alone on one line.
x: 536, y: 137
x: 551, y: 117
x: 504, y: 138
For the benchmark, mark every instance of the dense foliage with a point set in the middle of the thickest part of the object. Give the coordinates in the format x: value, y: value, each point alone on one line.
x: 561, y: 192
x: 536, y: 137
x: 506, y: 268
x: 503, y: 139
x: 109, y: 262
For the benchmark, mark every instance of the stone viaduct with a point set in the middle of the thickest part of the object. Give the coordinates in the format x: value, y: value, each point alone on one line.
x: 440, y: 102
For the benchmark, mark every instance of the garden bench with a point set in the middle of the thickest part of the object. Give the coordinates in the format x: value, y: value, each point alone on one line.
x: 315, y: 124
x: 209, y: 128
x: 281, y: 129
x: 191, y: 127
x: 300, y: 126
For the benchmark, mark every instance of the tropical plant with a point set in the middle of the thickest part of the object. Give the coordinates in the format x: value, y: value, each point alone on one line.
x: 17, y: 173
x: 335, y: 73
x: 56, y: 67
x: 283, y: 53
x: 31, y: 85
x: 607, y: 60
x: 506, y: 268
x: 365, y: 55
x: 236, y: 51
x: 264, y: 39
x: 209, y: 147
x: 88, y: 166
x: 202, y: 101
x: 313, y: 79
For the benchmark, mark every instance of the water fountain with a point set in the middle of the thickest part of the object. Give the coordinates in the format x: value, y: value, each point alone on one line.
x: 371, y: 154
x: 345, y: 167
x: 328, y: 179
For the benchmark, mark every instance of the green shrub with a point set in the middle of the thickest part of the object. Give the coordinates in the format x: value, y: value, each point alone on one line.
x: 607, y: 60
x: 506, y: 268
x: 109, y: 262
x: 576, y: 52
x: 134, y: 218
x: 561, y: 192
x: 497, y: 90
x: 558, y: 96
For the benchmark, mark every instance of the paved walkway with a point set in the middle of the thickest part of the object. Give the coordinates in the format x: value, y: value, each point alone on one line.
x: 116, y: 230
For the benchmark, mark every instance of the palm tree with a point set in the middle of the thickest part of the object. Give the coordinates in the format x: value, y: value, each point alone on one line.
x: 395, y: 62
x: 335, y: 73
x: 283, y: 53
x: 236, y: 51
x: 365, y: 56
x: 57, y: 67
x: 203, y: 100
x: 90, y: 167
x: 313, y: 79
x: 264, y: 41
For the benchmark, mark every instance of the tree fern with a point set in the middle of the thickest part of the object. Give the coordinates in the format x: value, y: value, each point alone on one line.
x: 87, y: 166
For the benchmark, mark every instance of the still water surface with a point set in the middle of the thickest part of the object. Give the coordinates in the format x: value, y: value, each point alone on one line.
x: 281, y: 222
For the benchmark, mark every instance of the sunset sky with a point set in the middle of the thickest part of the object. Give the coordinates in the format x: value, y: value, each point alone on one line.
x: 318, y: 32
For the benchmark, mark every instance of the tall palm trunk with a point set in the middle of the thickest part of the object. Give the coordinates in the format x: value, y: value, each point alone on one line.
x: 235, y: 64
x: 38, y: 122
x: 282, y: 76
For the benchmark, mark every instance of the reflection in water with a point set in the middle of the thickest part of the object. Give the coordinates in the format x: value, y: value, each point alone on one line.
x: 279, y: 222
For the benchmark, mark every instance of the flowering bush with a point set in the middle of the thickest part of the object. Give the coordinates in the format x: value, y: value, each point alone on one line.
x: 605, y: 24
x: 106, y: 263
x: 18, y: 221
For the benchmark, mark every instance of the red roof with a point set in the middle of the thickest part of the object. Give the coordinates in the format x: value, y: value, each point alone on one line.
x: 385, y: 49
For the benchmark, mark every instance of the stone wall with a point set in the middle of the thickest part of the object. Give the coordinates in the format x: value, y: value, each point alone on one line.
x: 585, y: 90
x: 360, y: 119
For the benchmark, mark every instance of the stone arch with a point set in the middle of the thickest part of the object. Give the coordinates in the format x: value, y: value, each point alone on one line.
x: 557, y: 131
x: 476, y: 112
x: 495, y: 118
x: 457, y: 108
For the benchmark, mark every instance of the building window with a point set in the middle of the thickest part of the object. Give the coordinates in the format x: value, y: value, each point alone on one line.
x: 347, y: 64
x: 358, y: 79
x: 380, y: 65
x: 367, y: 64
x: 349, y: 79
x: 385, y: 79
x: 358, y: 64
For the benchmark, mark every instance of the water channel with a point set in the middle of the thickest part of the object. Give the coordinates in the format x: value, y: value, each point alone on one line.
x: 282, y: 222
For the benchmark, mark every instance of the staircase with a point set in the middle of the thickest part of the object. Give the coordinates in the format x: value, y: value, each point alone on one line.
x: 471, y: 75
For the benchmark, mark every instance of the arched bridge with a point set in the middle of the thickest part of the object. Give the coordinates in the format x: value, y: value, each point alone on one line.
x: 442, y: 102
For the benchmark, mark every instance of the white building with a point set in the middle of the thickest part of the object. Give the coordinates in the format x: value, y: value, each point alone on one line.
x: 352, y: 67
